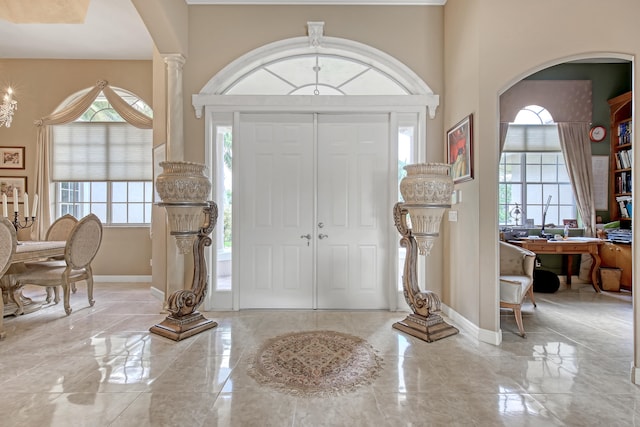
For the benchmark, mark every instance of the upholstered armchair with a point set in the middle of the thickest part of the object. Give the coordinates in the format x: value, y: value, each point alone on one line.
x: 516, y: 279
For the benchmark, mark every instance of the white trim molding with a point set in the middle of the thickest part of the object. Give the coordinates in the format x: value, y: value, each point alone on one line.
x: 483, y: 335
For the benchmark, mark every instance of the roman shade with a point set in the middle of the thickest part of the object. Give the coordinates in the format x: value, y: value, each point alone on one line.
x: 103, y: 151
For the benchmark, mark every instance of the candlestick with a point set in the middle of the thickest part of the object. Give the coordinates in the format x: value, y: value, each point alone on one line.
x: 4, y: 206
x: 15, y: 200
x: 35, y: 206
x: 25, y: 199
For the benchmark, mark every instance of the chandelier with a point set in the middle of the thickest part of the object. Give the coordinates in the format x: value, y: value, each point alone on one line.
x: 7, y: 108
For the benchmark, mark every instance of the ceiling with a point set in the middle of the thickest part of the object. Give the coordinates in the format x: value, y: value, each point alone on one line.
x: 111, y: 29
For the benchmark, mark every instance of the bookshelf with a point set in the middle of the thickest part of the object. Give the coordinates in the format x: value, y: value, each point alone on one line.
x: 620, y: 180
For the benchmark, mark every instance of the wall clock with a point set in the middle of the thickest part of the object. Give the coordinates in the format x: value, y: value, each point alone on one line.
x: 597, y: 133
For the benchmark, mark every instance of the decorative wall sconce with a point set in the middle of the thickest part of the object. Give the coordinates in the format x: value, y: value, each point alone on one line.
x: 184, y: 189
x: 427, y: 191
x: 7, y: 108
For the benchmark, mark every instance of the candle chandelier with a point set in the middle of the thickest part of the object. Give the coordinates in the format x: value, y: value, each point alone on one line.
x: 7, y: 108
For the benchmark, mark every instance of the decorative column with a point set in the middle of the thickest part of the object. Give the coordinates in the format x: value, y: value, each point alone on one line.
x: 175, y: 268
x: 175, y: 115
x: 427, y: 190
x: 184, y: 189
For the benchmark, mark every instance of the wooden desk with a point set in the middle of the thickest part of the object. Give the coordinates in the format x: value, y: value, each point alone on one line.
x: 571, y: 246
x: 11, y: 299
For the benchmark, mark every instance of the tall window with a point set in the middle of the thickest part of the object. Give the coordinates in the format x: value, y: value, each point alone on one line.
x: 101, y: 164
x: 533, y: 172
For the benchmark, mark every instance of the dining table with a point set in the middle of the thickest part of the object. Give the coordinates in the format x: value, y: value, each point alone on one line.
x: 12, y: 301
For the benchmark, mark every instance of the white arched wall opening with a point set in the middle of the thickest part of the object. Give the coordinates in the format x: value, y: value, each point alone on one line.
x: 220, y: 109
x: 635, y: 368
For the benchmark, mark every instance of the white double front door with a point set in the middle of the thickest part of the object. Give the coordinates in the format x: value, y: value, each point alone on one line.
x: 315, y: 214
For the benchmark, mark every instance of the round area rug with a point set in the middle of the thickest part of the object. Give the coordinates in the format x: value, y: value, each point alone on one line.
x: 315, y: 363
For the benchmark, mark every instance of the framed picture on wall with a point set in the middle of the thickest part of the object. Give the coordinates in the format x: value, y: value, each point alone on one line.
x: 460, y: 150
x: 11, y: 157
x: 9, y: 183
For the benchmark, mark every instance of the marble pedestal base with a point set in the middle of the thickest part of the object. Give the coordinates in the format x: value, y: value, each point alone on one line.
x: 428, y: 329
x: 180, y: 328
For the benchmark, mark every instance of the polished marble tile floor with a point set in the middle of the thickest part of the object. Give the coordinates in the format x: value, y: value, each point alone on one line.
x: 101, y: 367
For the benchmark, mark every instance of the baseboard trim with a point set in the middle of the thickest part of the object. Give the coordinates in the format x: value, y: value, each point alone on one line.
x: 157, y: 293
x: 483, y: 335
x: 112, y: 279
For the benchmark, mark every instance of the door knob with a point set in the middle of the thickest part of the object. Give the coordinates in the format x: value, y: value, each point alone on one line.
x: 306, y: 236
x: 322, y: 236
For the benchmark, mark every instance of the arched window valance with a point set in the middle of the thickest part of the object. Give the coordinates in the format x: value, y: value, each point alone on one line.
x: 78, y: 106
x: 568, y: 101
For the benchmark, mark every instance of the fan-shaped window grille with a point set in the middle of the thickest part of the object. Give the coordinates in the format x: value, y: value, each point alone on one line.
x: 314, y: 74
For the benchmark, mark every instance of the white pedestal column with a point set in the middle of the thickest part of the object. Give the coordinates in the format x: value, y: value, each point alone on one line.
x: 175, y: 152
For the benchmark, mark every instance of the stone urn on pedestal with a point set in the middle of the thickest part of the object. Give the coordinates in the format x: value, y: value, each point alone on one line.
x: 184, y: 188
x: 426, y: 191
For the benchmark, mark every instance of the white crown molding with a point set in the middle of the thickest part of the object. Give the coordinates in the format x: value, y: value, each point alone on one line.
x: 321, y: 2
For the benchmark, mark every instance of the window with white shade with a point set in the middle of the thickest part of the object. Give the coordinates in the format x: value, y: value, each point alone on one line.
x: 532, y: 168
x: 101, y: 164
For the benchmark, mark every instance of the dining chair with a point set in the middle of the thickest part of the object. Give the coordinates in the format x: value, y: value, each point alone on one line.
x: 8, y: 242
x: 81, y: 248
x: 60, y: 230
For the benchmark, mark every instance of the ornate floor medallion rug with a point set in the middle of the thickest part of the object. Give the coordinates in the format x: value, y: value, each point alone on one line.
x: 315, y: 363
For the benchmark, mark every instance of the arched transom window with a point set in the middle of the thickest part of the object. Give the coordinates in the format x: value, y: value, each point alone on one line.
x: 316, y: 74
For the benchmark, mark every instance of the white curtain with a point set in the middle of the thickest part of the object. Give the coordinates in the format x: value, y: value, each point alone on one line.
x: 576, y: 148
x: 504, y: 127
x: 67, y: 115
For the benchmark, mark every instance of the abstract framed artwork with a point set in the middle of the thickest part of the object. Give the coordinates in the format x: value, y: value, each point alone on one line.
x: 9, y: 183
x: 460, y: 150
x: 11, y: 157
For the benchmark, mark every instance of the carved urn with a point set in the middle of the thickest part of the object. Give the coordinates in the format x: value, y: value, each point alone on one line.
x: 426, y: 191
x: 184, y: 189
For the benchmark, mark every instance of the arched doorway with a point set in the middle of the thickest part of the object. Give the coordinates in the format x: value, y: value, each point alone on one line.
x: 569, y: 69
x: 316, y: 126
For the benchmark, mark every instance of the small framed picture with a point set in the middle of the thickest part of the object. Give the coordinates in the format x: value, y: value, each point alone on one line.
x: 572, y: 223
x: 11, y: 157
x: 460, y: 150
x: 9, y: 183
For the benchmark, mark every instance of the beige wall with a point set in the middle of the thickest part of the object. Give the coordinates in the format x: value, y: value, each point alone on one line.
x: 40, y: 87
x: 503, y: 41
x: 461, y: 64
x: 220, y: 34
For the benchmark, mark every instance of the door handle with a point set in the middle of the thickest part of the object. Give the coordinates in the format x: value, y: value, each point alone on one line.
x: 306, y: 236
x: 322, y: 236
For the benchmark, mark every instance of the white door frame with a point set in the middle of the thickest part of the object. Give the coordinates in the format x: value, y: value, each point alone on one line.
x: 234, y: 105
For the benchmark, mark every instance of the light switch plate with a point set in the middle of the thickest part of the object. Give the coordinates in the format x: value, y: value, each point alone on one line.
x: 453, y: 216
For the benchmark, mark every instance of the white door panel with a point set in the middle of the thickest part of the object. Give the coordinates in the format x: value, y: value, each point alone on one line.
x: 276, y: 209
x: 352, y: 206
x: 349, y: 229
